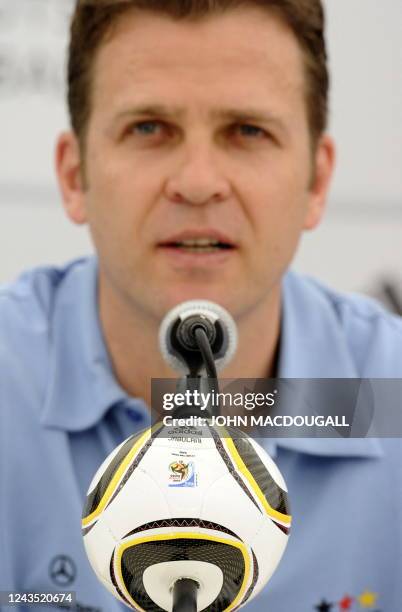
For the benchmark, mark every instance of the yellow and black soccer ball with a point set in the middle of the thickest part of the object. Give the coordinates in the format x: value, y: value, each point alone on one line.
x: 206, y: 504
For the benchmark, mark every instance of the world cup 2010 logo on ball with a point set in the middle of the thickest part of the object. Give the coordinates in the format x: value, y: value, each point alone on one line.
x: 162, y: 509
x: 182, y: 474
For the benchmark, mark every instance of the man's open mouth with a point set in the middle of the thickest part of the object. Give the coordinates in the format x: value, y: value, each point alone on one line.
x: 199, y: 245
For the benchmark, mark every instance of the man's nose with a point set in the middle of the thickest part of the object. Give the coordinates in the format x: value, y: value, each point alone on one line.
x: 198, y: 179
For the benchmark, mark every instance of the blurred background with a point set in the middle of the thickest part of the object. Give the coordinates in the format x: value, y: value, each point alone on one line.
x: 359, y: 245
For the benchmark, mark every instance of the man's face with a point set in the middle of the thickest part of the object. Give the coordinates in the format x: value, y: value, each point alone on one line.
x: 198, y: 131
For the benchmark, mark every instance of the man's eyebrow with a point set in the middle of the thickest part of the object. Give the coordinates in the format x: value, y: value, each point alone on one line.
x: 150, y: 110
x: 228, y: 114
x: 246, y: 114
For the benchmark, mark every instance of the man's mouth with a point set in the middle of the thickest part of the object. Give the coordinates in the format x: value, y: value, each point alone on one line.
x: 199, y: 245
x: 197, y: 242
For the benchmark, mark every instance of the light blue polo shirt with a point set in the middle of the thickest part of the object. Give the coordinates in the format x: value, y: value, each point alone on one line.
x: 62, y: 412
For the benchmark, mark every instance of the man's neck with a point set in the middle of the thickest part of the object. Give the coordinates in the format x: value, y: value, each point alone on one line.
x: 132, y: 343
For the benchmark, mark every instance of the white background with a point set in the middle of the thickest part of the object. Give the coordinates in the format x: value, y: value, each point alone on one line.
x: 360, y: 241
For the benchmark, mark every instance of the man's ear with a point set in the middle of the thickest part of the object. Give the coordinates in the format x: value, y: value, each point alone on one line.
x: 69, y: 174
x: 324, y: 164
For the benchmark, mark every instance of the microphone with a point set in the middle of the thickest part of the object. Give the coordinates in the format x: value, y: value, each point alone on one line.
x: 178, y: 335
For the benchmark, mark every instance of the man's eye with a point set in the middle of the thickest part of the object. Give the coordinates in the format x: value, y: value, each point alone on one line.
x: 147, y: 128
x: 250, y: 131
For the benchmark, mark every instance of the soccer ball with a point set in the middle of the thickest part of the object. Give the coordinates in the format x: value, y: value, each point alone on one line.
x: 203, y: 503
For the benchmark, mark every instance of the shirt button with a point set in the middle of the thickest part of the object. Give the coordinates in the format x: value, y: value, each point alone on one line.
x: 134, y: 416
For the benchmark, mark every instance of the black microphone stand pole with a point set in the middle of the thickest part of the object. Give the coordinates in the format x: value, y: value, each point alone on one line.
x: 185, y: 589
x: 185, y: 595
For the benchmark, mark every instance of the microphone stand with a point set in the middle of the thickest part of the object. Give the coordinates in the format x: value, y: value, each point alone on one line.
x: 185, y: 589
x: 185, y: 595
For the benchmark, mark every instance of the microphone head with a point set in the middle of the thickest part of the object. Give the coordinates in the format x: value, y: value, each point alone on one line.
x: 175, y: 334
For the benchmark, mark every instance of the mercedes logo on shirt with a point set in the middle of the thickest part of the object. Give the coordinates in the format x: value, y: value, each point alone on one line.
x: 62, y: 570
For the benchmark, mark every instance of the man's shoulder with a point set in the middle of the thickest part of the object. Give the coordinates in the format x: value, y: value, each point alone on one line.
x: 26, y: 304
x: 28, y: 299
x: 373, y: 334
x: 26, y: 315
x: 354, y: 310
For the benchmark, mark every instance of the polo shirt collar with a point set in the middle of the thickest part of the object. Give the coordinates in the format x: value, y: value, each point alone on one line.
x: 313, y: 345
x: 81, y: 385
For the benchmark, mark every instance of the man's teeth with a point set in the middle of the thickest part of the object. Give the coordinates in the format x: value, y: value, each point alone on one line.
x: 199, y: 245
x: 199, y: 242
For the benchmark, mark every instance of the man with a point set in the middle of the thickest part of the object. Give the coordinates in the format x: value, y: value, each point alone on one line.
x: 197, y: 156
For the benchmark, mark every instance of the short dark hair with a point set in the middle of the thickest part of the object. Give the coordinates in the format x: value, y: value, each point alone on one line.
x: 93, y: 20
